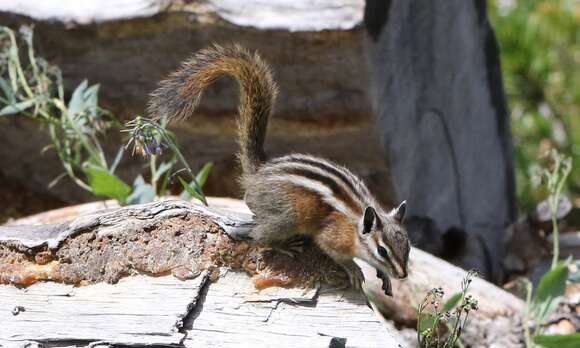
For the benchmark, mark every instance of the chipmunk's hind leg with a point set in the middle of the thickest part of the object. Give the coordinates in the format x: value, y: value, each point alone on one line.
x: 296, y: 244
x: 274, y: 214
x: 291, y: 247
x: 273, y: 202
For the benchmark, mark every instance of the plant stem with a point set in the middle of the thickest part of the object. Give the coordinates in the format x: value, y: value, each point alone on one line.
x: 555, y: 234
x: 563, y: 166
x: 419, y: 317
x: 153, y: 166
x: 528, y: 339
x: 17, y: 65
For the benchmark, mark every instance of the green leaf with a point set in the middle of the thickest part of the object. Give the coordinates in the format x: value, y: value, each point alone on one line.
x: 106, y: 184
x: 77, y: 101
x: 16, y: 108
x: 7, y: 90
x: 187, y: 187
x: 427, y: 321
x: 185, y: 196
x: 452, y: 302
x: 142, y: 192
x: 91, y: 97
x: 203, y: 173
x: 558, y: 341
x: 550, y: 289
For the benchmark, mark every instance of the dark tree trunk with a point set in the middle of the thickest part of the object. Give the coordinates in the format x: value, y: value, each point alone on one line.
x: 438, y: 96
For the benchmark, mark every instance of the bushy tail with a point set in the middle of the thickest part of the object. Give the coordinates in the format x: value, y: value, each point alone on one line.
x: 179, y: 95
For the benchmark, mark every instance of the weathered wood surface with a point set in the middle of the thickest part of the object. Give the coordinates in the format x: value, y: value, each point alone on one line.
x: 84, y: 12
x: 293, y: 319
x: 119, y: 221
x: 497, y: 322
x: 297, y: 15
x: 70, y: 213
x: 145, y: 311
x: 137, y: 310
x: 149, y: 311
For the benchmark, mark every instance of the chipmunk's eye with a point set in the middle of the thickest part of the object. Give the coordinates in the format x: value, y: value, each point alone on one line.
x: 383, y: 252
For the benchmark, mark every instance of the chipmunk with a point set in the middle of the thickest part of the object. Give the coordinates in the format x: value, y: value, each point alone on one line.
x: 294, y: 195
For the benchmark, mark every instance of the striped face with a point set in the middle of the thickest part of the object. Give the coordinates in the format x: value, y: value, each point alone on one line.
x: 382, y: 239
x: 386, y: 238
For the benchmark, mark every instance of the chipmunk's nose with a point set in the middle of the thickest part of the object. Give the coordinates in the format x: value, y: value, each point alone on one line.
x: 403, y: 274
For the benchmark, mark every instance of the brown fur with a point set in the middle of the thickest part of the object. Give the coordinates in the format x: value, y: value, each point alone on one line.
x: 338, y: 238
x: 340, y: 194
x: 332, y: 231
x: 310, y: 210
x: 179, y: 95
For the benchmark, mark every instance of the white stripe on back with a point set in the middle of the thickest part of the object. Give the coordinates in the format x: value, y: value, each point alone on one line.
x: 319, y: 171
x: 315, y: 186
x: 361, y: 192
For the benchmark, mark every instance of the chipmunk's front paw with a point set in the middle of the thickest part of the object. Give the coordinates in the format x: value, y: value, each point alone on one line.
x: 355, y: 275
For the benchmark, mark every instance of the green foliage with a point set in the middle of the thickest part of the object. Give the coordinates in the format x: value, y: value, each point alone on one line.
x: 190, y: 189
x: 453, y: 315
x: 558, y: 341
x: 35, y: 91
x: 549, y: 293
x: 148, y: 138
x: 106, y: 184
x: 552, y: 285
x: 540, y: 54
x: 554, y: 178
x: 452, y: 301
x: 33, y: 88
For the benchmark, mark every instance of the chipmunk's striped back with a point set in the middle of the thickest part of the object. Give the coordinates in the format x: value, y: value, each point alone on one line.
x: 336, y: 185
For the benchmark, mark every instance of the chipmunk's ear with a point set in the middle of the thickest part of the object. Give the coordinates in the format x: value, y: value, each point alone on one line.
x: 399, y: 212
x: 369, y: 220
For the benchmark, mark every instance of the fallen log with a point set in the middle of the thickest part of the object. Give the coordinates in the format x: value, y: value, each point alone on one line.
x: 114, y: 270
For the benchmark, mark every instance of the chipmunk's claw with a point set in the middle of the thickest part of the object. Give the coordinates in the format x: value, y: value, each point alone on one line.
x: 387, y: 286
